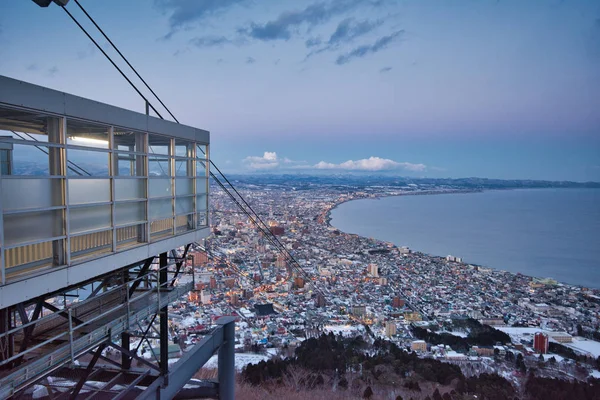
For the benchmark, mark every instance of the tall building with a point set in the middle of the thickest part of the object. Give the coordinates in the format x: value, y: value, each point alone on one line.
x: 397, y: 302
x: 390, y: 328
x: 541, y: 342
x: 373, y: 270
x: 320, y: 300
x: 419, y: 345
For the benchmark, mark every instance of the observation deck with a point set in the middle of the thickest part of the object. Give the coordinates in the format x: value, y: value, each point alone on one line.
x: 87, y: 188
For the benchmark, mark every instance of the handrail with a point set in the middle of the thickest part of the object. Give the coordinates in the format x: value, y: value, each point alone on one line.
x: 11, y: 383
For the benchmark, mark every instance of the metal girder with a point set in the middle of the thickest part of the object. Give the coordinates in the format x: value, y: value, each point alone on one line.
x: 141, y: 273
x: 222, y: 338
x: 62, y: 313
x: 132, y: 355
x: 131, y: 386
x: 180, y: 263
x: 88, y: 371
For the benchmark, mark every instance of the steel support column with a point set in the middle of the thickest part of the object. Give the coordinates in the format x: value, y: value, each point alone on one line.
x: 226, y: 361
x: 164, y: 320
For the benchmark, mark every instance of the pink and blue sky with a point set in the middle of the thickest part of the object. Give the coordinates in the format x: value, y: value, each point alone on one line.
x: 440, y: 88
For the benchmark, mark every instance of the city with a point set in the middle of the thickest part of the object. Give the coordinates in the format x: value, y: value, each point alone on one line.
x: 357, y: 286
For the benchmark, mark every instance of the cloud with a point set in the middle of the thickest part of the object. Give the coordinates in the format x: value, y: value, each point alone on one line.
x: 88, y: 52
x: 186, y: 12
x: 371, y: 164
x: 250, y: 60
x: 346, y: 31
x: 268, y: 160
x: 315, y: 14
x: 312, y: 42
x: 52, y: 71
x: 209, y: 41
x: 364, y: 50
x: 350, y: 29
x: 385, y: 69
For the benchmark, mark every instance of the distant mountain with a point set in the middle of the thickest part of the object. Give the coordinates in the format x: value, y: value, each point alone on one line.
x: 306, y: 181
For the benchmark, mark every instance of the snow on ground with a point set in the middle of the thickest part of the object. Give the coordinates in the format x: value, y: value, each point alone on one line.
x: 241, y: 360
x: 456, y: 333
x: 556, y: 357
x: 583, y: 345
x: 345, y: 330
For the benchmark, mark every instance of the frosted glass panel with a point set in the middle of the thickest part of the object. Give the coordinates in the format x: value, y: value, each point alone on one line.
x: 127, y: 213
x: 31, y: 193
x: 200, y: 185
x: 184, y: 205
x: 184, y: 186
x: 89, y: 218
x: 83, y: 191
x: 32, y: 226
x: 160, y: 187
x: 129, y: 189
x: 201, y: 202
x: 161, y: 209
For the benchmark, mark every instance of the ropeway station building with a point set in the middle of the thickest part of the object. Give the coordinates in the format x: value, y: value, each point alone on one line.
x: 106, y: 201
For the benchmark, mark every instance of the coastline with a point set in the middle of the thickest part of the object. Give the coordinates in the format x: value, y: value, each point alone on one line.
x: 339, y: 202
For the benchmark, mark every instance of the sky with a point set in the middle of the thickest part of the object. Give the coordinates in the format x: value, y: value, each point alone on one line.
x: 436, y: 88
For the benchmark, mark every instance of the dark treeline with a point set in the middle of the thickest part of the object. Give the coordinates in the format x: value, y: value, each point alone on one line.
x: 332, y: 356
x: 556, y: 389
x: 479, y: 335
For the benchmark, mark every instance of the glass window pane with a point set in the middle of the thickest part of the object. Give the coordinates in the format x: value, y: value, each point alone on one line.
x: 26, y: 160
x: 21, y: 228
x: 87, y: 163
x: 89, y: 218
x: 201, y: 219
x: 129, y: 236
x: 18, y: 194
x: 183, y: 167
x: 184, y: 186
x: 201, y: 150
x: 184, y: 205
x: 158, y: 144
x: 128, y: 164
x: 82, y: 133
x: 159, y: 166
x: 201, y: 202
x: 183, y: 148
x: 130, y: 189
x: 126, y: 213
x: 201, y: 185
x: 184, y: 223
x: 162, y: 208
x: 82, y: 191
x: 201, y: 169
x: 160, y: 187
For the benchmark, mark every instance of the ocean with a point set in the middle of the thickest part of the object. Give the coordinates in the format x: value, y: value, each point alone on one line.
x: 538, y: 232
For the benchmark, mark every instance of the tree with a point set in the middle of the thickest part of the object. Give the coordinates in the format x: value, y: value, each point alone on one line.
x: 437, y: 395
x: 399, y: 397
x: 579, y: 330
x: 343, y: 383
x: 368, y: 393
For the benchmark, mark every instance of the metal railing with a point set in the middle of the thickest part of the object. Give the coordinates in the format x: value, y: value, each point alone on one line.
x: 71, y: 346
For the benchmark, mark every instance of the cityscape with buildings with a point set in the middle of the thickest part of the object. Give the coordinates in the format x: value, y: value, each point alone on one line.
x: 356, y: 286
